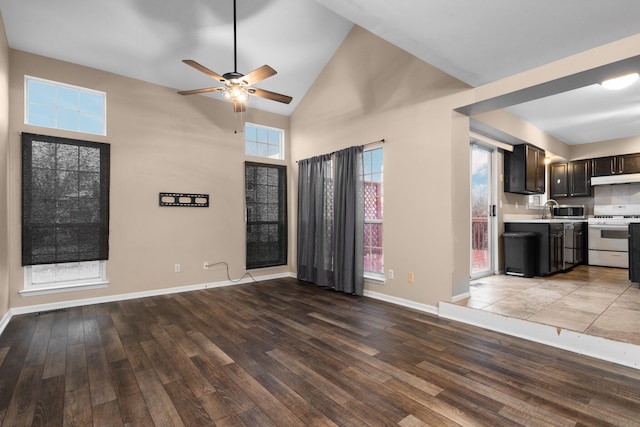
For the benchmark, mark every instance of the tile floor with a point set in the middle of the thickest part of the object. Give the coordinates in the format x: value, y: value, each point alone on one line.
x: 598, y: 301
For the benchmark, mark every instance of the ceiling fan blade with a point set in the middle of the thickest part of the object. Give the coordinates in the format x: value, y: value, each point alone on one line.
x: 259, y: 74
x: 205, y: 90
x: 203, y: 69
x: 239, y: 107
x: 270, y: 95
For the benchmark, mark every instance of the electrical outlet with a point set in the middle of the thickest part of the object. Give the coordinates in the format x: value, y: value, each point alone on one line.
x: 205, y: 265
x: 410, y: 277
x: 176, y: 268
x: 390, y: 274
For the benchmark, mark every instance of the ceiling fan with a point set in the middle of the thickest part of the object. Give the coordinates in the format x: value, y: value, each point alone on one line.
x: 237, y: 86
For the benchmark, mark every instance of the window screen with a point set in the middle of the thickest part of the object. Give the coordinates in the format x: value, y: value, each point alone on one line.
x: 266, y: 204
x: 65, y: 200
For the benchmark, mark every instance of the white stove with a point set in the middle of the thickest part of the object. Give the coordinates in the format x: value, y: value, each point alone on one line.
x: 609, y: 234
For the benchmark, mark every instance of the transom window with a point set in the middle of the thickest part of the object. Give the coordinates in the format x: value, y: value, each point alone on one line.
x: 263, y: 141
x: 373, y: 211
x: 62, y: 106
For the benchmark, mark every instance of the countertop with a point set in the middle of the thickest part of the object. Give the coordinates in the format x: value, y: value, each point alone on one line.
x: 537, y: 220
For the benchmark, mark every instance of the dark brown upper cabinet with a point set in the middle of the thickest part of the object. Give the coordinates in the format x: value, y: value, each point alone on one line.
x: 559, y: 180
x: 524, y: 170
x: 571, y: 179
x: 580, y: 178
x: 616, y: 165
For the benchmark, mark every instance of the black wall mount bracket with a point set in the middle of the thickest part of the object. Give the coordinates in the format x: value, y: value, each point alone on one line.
x: 184, y: 199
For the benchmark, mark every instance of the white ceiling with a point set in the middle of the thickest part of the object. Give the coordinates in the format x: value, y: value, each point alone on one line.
x: 476, y: 41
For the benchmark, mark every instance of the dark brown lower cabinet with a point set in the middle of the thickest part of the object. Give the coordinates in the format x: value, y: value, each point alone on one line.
x: 634, y: 252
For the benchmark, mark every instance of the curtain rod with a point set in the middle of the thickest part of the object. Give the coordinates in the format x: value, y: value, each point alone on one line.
x: 380, y: 141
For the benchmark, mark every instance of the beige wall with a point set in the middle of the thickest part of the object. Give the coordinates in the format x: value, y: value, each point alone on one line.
x: 372, y: 90
x: 160, y: 141
x: 605, y: 148
x: 4, y: 144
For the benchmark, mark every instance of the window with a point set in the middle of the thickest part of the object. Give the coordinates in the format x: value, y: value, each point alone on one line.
x: 373, y: 211
x: 65, y: 209
x: 266, y: 215
x: 67, y: 275
x: 262, y: 141
x: 61, y: 106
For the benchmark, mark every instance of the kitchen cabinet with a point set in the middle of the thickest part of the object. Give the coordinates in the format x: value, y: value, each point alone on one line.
x: 580, y: 178
x: 551, y: 244
x: 634, y: 252
x: 571, y: 179
x: 524, y: 170
x: 548, y: 245
x: 559, y: 180
x: 615, y: 165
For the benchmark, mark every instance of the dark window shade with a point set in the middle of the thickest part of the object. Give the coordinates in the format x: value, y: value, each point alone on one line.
x: 266, y: 204
x: 65, y: 200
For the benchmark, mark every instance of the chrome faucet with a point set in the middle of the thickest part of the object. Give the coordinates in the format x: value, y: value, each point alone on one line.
x: 547, y: 211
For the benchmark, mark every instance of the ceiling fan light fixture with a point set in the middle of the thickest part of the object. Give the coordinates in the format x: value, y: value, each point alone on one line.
x: 621, y: 82
x: 236, y: 93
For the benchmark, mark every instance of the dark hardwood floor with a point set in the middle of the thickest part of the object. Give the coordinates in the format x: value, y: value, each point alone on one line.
x: 283, y: 353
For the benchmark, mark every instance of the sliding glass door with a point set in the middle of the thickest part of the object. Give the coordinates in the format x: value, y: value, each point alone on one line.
x: 483, y: 210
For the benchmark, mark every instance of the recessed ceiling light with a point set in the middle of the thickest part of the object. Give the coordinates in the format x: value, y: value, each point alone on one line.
x: 621, y: 82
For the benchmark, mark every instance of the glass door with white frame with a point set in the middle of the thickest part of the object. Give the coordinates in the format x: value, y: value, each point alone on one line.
x: 483, y: 210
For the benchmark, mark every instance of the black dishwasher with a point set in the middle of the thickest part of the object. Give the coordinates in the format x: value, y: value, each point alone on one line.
x: 556, y: 247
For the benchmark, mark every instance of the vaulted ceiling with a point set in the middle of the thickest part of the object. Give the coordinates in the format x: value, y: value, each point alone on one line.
x: 475, y: 41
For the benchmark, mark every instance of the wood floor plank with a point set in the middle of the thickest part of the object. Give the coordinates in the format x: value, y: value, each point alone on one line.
x: 99, y: 374
x: 162, y: 410
x: 107, y: 414
x: 187, y: 404
x: 309, y: 415
x: 40, y: 341
x: 13, y: 363
x: 283, y: 352
x: 272, y: 407
x: 49, y: 410
x: 232, y: 393
x: 55, y: 361
x: 112, y: 344
x: 184, y: 365
x: 23, y: 403
x: 133, y: 408
x: 77, y: 397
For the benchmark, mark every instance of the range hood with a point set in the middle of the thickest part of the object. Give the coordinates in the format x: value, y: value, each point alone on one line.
x: 616, y: 179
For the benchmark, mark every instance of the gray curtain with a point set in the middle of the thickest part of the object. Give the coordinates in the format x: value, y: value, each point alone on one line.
x: 315, y: 220
x: 331, y: 221
x: 349, y: 221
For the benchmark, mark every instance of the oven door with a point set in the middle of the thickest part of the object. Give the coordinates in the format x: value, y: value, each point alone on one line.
x: 609, y: 245
x: 604, y: 237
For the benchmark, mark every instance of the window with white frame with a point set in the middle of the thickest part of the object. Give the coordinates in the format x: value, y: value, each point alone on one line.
x: 373, y: 211
x: 62, y: 106
x: 65, y: 276
x: 263, y: 141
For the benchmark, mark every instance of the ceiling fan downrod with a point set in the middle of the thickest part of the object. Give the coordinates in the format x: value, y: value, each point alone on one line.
x: 235, y: 50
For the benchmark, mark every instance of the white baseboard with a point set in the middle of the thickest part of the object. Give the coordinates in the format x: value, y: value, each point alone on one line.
x: 5, y: 321
x: 401, y: 301
x: 460, y: 297
x: 121, y: 297
x: 621, y: 353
